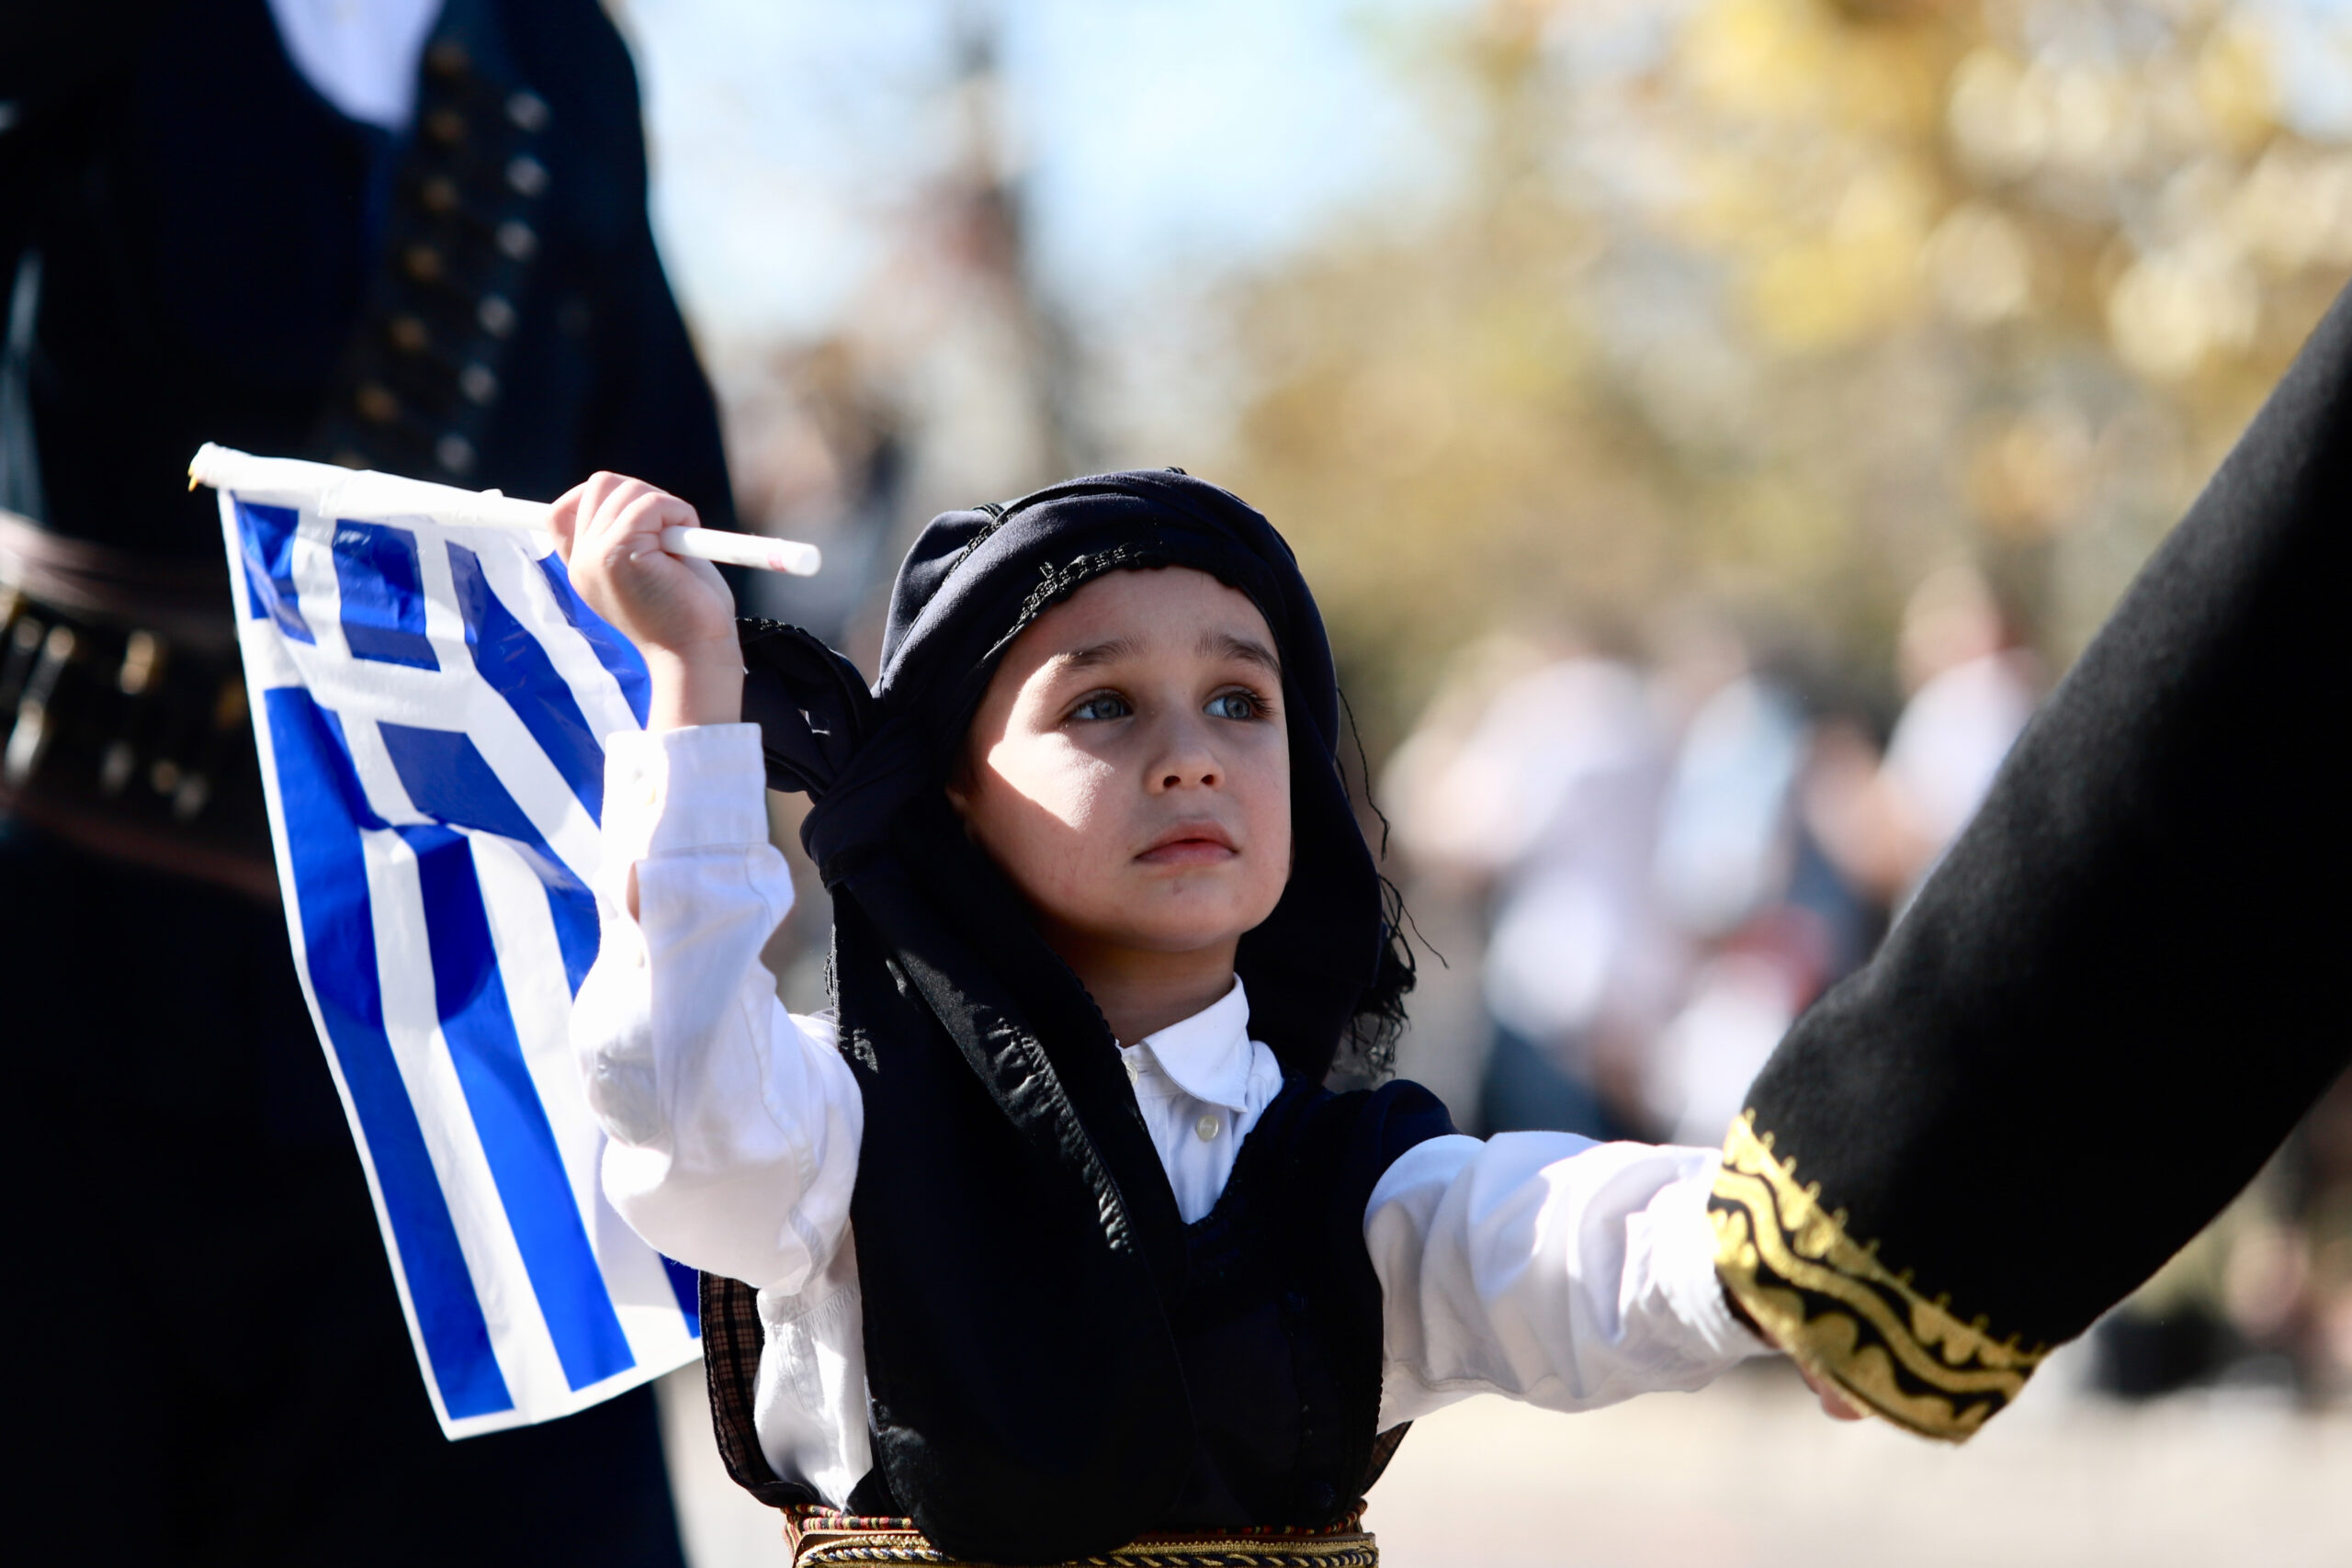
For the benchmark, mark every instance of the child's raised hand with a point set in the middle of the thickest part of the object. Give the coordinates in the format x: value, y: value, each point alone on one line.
x: 609, y: 533
x: 678, y: 611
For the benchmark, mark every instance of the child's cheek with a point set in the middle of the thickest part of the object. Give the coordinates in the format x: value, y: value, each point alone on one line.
x: 1089, y: 785
x: 1058, y: 779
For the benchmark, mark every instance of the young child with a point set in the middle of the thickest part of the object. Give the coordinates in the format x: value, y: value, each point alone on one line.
x: 1057, y: 1238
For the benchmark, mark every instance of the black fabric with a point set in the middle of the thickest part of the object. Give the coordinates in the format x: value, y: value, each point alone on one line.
x: 2120, y: 989
x: 1030, y: 1396
x: 207, y: 231
x: 1278, y: 1318
x: 196, y: 235
x: 213, y: 1367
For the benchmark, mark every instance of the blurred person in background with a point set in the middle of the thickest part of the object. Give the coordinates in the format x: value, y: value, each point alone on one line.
x: 817, y: 451
x: 391, y: 233
x: 2324, y: 1338
x: 1548, y: 803
x: 1971, y: 688
x: 1766, y: 919
x: 1658, y: 911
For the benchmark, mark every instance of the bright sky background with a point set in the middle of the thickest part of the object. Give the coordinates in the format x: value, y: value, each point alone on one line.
x: 1160, y: 139
x: 1163, y: 142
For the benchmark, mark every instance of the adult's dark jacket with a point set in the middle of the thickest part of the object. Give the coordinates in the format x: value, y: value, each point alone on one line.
x: 194, y: 246
x: 2115, y: 996
x: 215, y: 253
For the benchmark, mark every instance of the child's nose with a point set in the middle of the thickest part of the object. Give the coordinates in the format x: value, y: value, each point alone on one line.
x: 1187, y: 761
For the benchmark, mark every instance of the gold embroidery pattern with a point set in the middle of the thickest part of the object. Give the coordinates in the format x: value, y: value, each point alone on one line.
x: 821, y: 1537
x: 1846, y: 1316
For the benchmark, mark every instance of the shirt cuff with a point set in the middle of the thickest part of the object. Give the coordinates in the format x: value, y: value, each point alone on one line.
x: 670, y: 791
x: 1684, y: 1261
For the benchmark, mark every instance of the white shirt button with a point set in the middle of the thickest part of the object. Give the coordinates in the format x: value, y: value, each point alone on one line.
x: 649, y: 793
x: 1207, y: 1127
x: 637, y: 955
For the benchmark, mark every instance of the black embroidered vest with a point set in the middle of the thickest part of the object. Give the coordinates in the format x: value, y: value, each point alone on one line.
x: 1277, y: 1323
x: 1278, y: 1318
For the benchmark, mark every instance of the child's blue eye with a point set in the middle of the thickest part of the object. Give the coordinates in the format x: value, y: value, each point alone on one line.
x: 1104, y: 706
x: 1233, y: 705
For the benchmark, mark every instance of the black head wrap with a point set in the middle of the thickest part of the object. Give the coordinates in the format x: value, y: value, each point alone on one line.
x: 1027, y: 1398
x: 973, y: 583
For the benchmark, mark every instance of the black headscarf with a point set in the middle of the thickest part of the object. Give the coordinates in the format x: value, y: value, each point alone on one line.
x: 1028, y: 1401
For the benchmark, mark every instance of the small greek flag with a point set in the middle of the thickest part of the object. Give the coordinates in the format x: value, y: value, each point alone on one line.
x: 430, y: 697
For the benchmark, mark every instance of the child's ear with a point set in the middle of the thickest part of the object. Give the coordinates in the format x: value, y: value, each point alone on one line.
x: 959, y: 784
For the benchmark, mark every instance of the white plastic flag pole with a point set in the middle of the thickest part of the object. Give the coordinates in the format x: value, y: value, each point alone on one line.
x: 324, y: 488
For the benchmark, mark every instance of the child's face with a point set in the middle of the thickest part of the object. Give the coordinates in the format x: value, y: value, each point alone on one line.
x: 1129, y: 767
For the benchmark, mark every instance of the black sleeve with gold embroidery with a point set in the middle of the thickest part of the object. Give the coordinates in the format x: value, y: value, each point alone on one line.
x: 2115, y: 996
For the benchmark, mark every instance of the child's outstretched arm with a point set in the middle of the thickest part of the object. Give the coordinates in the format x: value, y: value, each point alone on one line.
x: 735, y: 1127
x: 1547, y: 1267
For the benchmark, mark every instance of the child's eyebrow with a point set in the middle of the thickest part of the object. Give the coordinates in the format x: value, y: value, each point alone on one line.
x: 1225, y: 645
x: 1108, y: 651
x: 1213, y: 645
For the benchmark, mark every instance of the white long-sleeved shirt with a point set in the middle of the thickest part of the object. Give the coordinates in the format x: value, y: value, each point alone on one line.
x: 1541, y: 1266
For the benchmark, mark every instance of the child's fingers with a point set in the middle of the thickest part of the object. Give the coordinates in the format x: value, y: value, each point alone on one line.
x: 602, y: 498
x: 645, y: 513
x: 620, y: 518
x: 563, y: 520
x: 585, y: 518
x: 615, y: 526
x: 1834, y: 1403
x: 638, y: 528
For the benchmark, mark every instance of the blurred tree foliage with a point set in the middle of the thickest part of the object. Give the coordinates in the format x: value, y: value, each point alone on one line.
x: 1785, y: 302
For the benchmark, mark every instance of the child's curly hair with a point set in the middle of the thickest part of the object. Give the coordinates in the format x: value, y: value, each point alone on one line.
x: 1368, y: 1052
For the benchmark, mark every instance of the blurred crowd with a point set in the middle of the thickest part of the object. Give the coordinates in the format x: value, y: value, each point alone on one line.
x: 1666, y: 851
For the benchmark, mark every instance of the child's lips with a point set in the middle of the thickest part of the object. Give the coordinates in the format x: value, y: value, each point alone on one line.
x: 1190, y: 843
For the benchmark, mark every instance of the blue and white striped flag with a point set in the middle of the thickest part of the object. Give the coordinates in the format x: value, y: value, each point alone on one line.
x: 430, y: 697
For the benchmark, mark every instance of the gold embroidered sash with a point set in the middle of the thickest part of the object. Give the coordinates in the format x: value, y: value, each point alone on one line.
x: 823, y: 1536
